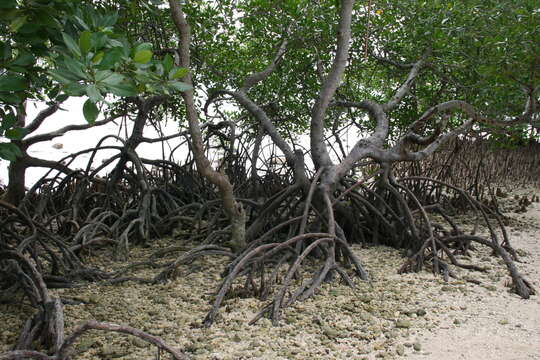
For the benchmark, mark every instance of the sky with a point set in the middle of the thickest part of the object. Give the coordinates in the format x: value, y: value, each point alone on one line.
x: 78, y: 140
x: 71, y: 142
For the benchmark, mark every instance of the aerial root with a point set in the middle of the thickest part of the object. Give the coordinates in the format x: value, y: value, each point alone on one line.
x: 65, y: 348
x: 441, y: 242
x: 171, y: 272
x: 255, y: 260
x: 46, y: 328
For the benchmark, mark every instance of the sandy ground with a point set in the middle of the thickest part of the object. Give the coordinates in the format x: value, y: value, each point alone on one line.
x: 497, y: 325
x: 410, y: 316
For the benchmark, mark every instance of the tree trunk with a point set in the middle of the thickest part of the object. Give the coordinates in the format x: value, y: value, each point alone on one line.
x: 233, y: 209
x: 16, y: 176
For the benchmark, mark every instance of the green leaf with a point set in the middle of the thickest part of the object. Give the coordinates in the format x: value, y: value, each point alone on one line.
x: 13, y: 82
x: 142, y: 56
x: 10, y: 98
x: 158, y: 69
x: 111, y: 58
x: 125, y: 89
x: 102, y: 74
x: 8, y: 4
x: 24, y: 59
x: 81, y: 22
x: 114, y: 79
x: 109, y: 19
x: 16, y: 24
x: 9, y: 151
x: 99, y: 40
x: 180, y: 86
x: 97, y: 58
x: 63, y: 76
x: 18, y: 69
x: 33, y: 29
x: 168, y: 62
x: 93, y: 93
x: 178, y: 73
x: 90, y: 111
x: 53, y: 92
x: 75, y: 89
x: 62, y: 97
x: 115, y: 43
x: 85, y: 41
x: 5, y: 51
x: 75, y: 67
x: 8, y: 121
x: 145, y: 76
x: 71, y: 44
x: 143, y: 46
x: 15, y: 133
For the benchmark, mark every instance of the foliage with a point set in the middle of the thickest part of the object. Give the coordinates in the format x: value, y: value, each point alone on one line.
x: 410, y: 75
x: 56, y: 49
x: 482, y: 52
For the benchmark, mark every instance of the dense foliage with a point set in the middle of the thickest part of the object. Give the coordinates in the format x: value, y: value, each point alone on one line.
x: 52, y: 50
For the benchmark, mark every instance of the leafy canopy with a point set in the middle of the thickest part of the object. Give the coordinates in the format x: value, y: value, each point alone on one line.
x: 55, y: 49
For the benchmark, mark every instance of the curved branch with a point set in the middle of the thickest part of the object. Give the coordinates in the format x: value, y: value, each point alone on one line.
x: 256, y: 77
x: 364, y: 147
x: 397, y: 152
x: 406, y: 86
x: 375, y: 110
x: 57, y: 165
x: 25, y: 354
x: 320, y: 154
x: 165, y: 138
x: 258, y: 113
x: 51, y: 135
x: 386, y: 60
x: 41, y: 116
x: 233, y: 209
x: 64, y: 351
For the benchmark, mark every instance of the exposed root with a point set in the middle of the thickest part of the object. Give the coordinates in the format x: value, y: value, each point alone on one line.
x: 442, y: 239
x: 65, y: 350
x: 171, y: 272
x: 252, y: 263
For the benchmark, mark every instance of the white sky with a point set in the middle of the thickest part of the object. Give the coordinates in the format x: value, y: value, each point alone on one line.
x: 75, y: 141
x: 79, y: 140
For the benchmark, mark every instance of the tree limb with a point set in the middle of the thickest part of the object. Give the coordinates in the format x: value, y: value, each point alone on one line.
x: 406, y: 86
x: 256, y: 77
x: 319, y: 150
x: 51, y: 135
x: 232, y: 208
x: 41, y: 116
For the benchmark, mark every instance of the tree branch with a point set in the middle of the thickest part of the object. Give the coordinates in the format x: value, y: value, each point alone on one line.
x: 41, y: 116
x: 260, y: 115
x: 397, y: 154
x: 406, y: 86
x: 364, y: 147
x: 165, y: 138
x: 64, y: 352
x: 35, y: 162
x: 256, y: 77
x: 397, y: 64
x: 51, y: 135
x: 232, y: 208
x: 319, y: 150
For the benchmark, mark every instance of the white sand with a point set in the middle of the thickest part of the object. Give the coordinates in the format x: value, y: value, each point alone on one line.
x: 497, y: 325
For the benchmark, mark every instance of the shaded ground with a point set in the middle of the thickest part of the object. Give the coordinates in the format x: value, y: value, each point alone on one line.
x: 414, y: 315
